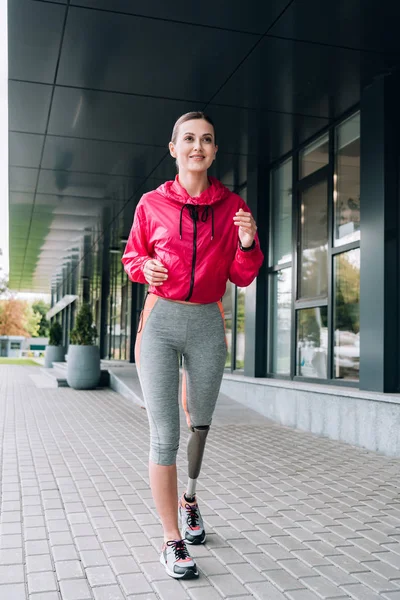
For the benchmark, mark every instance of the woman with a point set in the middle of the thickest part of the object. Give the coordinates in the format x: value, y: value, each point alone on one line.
x: 189, y: 236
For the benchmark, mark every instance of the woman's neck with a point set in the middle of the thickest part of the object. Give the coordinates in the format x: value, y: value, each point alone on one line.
x: 194, y: 183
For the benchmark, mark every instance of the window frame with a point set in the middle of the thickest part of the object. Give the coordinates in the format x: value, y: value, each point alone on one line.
x: 326, y: 173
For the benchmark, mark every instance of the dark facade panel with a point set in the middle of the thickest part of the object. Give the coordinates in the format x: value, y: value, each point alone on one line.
x: 114, y: 117
x: 34, y: 35
x: 370, y: 26
x: 93, y: 156
x: 254, y: 17
x: 28, y: 105
x: 301, y: 78
x: 112, y: 52
x: 25, y: 149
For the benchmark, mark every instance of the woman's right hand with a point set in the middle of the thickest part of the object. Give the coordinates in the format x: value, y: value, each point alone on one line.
x: 154, y: 272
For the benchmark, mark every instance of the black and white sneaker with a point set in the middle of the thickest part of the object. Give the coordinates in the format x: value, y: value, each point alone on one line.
x: 177, y: 561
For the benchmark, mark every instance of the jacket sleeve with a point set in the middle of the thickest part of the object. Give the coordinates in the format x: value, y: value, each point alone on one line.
x: 137, y: 250
x: 245, y: 266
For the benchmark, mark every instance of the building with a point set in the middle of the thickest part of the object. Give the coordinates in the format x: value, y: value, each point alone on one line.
x: 306, y: 107
x: 16, y: 346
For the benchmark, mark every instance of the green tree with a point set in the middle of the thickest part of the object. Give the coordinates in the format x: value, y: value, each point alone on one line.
x: 32, y: 321
x: 41, y: 308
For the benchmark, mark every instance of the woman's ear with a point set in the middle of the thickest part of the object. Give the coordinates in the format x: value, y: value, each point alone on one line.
x: 172, y: 149
x: 215, y: 152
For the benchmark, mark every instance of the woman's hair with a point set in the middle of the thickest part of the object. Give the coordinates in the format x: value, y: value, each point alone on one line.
x: 189, y: 117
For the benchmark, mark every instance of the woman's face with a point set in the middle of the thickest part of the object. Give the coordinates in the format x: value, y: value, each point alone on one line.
x: 194, y: 148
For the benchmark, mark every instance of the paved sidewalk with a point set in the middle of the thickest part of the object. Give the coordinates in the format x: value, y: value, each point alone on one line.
x: 289, y: 516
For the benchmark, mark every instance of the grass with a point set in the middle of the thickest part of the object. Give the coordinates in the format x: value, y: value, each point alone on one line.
x: 25, y: 362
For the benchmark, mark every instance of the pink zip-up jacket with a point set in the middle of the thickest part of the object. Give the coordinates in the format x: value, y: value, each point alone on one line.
x: 194, y: 238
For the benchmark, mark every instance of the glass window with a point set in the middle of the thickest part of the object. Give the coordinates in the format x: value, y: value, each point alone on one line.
x: 281, y: 192
x: 346, y: 193
x: 281, y: 321
x: 240, y: 324
x: 314, y: 157
x: 15, y: 346
x: 312, y: 342
x: 347, y: 315
x: 227, y: 302
x: 314, y: 242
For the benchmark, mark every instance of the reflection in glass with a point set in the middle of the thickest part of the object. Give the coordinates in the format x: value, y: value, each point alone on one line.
x: 347, y: 315
x: 280, y: 321
x: 314, y: 157
x: 314, y: 242
x: 346, y: 192
x: 227, y: 302
x: 240, y: 323
x: 281, y: 190
x: 312, y: 342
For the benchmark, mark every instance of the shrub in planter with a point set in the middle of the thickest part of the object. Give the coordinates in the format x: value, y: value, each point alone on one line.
x: 83, y: 361
x: 54, y: 350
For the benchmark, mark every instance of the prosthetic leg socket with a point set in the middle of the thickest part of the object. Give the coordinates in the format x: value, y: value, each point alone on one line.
x: 195, y: 451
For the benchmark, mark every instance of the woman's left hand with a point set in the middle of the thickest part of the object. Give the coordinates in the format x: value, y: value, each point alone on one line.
x: 247, y: 227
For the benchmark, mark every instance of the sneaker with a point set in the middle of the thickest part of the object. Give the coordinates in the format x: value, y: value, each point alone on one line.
x: 192, y: 526
x: 177, y: 561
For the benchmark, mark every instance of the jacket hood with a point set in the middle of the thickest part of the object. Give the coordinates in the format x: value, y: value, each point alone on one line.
x: 213, y: 194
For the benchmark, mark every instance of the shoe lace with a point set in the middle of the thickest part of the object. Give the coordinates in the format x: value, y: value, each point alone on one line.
x: 193, y: 516
x: 179, y: 548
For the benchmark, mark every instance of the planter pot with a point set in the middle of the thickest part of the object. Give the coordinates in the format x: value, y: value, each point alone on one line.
x: 83, y: 367
x: 53, y: 354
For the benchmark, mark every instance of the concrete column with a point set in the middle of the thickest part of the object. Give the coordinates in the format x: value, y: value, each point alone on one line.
x: 379, y: 277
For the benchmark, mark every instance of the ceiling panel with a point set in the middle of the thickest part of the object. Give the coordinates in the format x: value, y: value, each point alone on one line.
x: 28, y: 106
x: 69, y: 205
x: 355, y: 24
x: 317, y: 81
x: 115, y: 117
x: 25, y: 149
x: 138, y: 55
x: 255, y: 17
x: 100, y: 157
x: 22, y: 179
x: 34, y: 36
x: 88, y: 185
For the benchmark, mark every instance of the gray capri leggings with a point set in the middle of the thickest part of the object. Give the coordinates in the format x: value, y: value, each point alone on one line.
x: 167, y: 329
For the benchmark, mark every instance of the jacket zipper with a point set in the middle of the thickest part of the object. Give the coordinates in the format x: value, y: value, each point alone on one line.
x: 194, y: 215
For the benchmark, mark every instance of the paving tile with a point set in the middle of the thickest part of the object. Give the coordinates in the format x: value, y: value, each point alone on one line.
x: 322, y: 587
x: 134, y: 583
x: 13, y: 591
x: 11, y: 557
x: 170, y: 589
x: 37, y: 547
x: 227, y: 585
x: 75, y: 589
x: 12, y: 574
x: 109, y: 592
x: 360, y: 592
x: 42, y: 582
x: 125, y: 564
x: 68, y: 569
x: 264, y: 590
x: 37, y: 563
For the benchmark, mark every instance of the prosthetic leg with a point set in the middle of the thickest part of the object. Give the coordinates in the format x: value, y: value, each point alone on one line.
x: 195, y: 451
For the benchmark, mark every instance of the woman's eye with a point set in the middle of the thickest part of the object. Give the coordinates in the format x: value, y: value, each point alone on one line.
x: 208, y: 140
x: 188, y: 138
